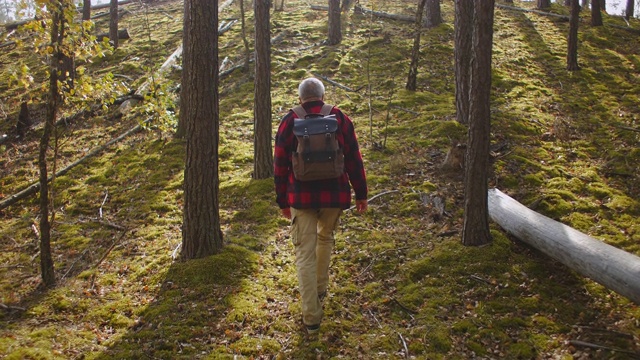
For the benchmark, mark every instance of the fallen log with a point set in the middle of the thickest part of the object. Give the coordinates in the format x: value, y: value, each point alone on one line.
x: 609, y: 266
x: 126, y: 106
x: 35, y: 187
x: 336, y: 84
x: 358, y: 9
x: 16, y: 24
x: 563, y: 17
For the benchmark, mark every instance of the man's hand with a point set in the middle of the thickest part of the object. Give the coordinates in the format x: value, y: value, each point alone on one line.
x: 286, y: 212
x: 361, y: 205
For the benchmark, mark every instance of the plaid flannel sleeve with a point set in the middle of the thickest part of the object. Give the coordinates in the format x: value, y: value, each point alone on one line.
x: 353, y: 163
x: 282, y: 159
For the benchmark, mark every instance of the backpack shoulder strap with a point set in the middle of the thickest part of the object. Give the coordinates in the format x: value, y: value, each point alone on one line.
x: 326, y: 109
x: 300, y: 112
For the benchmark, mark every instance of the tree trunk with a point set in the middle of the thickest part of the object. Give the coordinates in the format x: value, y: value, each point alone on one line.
x: 630, y: 9
x: 113, y: 23
x: 335, y: 31
x: 596, y: 15
x: 567, y: 2
x: 262, y: 150
x: 476, y: 215
x: 245, y: 41
x: 46, y: 260
x: 434, y: 15
x: 614, y: 268
x: 86, y: 10
x: 543, y: 4
x: 462, y: 53
x: 199, y: 111
x: 572, y: 42
x: 346, y: 4
x: 415, y: 52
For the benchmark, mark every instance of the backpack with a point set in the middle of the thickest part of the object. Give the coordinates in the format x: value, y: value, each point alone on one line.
x: 318, y: 155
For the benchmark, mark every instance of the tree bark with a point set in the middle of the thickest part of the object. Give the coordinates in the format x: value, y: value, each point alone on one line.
x: 57, y: 36
x: 596, y: 15
x: 476, y: 215
x: 415, y: 52
x: 572, y: 42
x: 245, y: 41
x: 434, y: 15
x: 113, y: 23
x: 543, y: 4
x: 199, y: 111
x: 613, y: 268
x: 262, y: 150
x: 630, y: 9
x: 335, y: 31
x: 462, y: 54
x: 86, y: 10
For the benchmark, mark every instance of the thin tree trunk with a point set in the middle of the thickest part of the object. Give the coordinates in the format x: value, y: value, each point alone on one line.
x: 415, y: 52
x: 475, y: 230
x: 199, y: 112
x: 245, y: 41
x: 113, y: 23
x: 335, y: 31
x: 596, y: 15
x: 434, y: 15
x: 46, y: 260
x: 630, y: 9
x: 572, y: 42
x: 262, y: 150
x: 543, y: 4
x: 86, y: 10
x: 462, y: 52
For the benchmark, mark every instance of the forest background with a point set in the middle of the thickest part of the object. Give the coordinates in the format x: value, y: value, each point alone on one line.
x: 403, y: 285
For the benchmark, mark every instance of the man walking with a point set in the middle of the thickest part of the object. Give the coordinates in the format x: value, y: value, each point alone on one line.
x: 315, y: 206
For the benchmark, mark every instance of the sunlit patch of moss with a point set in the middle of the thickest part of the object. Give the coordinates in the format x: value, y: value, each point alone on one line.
x: 251, y: 346
x: 622, y: 202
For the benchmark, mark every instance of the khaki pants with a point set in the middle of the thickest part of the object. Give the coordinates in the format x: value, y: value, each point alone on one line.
x: 312, y: 237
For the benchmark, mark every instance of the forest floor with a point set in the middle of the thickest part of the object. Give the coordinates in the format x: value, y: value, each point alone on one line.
x: 402, y: 284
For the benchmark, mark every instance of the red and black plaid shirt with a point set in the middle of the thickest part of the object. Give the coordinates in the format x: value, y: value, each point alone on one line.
x: 331, y: 193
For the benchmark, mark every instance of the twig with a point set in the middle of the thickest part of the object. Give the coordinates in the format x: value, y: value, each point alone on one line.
x: 628, y: 336
x: 374, y: 318
x: 406, y: 110
x: 106, y: 195
x: 332, y: 82
x: 478, y: 278
x: 174, y: 254
x: 597, y: 346
x: 74, y: 263
x: 113, y: 245
x: 405, y: 308
x: 375, y: 197
x: 9, y: 308
x: 404, y: 345
x: 627, y: 128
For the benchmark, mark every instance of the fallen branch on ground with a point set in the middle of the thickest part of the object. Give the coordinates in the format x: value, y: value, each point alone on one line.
x: 332, y: 82
x: 35, y: 187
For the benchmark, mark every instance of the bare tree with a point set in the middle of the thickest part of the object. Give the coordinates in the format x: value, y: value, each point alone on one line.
x: 113, y: 23
x: 434, y: 15
x: 462, y: 52
x: 572, y: 42
x: 262, y: 150
x: 415, y: 52
x: 57, y: 32
x: 476, y: 211
x: 596, y: 15
x: 199, y: 111
x: 335, y: 31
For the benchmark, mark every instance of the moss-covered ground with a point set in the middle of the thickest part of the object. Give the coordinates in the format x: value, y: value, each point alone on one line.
x: 402, y: 286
